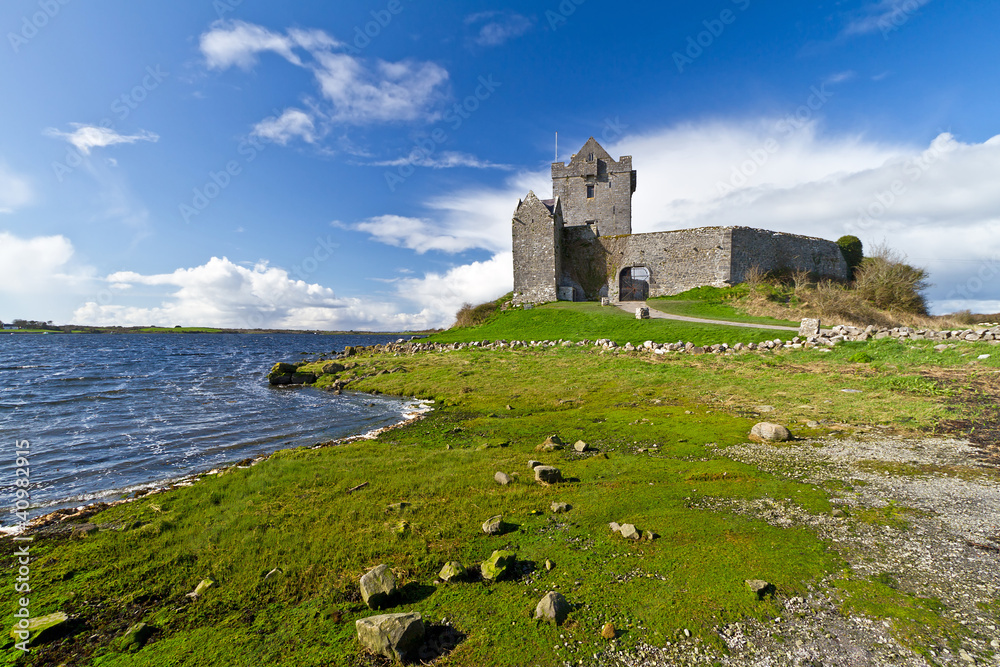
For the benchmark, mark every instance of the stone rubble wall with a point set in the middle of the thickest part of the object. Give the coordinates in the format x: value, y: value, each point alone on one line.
x: 825, y: 339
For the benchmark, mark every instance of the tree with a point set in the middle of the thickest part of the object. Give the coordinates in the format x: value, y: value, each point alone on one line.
x: 853, y: 252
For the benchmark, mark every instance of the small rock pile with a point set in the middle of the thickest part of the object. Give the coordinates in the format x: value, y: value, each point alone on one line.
x: 843, y: 332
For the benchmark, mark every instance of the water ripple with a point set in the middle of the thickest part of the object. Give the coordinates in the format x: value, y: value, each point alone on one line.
x: 106, y: 415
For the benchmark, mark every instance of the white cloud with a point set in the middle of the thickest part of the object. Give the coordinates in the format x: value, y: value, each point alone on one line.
x: 496, y: 28
x: 883, y: 16
x: 292, y: 123
x: 442, y: 294
x: 469, y: 219
x: 404, y: 90
x: 86, y: 137
x: 446, y: 160
x: 238, y: 44
x: 224, y: 294
x: 359, y: 92
x: 38, y: 266
x: 15, y: 191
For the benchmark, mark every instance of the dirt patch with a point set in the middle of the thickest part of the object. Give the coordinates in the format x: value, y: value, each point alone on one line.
x: 978, y: 396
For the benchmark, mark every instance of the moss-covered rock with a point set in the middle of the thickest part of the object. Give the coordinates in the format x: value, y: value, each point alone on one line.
x: 498, y: 565
x: 281, y: 373
x: 134, y: 638
x: 41, y: 629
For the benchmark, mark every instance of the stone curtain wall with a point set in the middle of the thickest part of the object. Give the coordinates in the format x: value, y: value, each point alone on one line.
x: 685, y: 259
x: 613, y: 181
x: 678, y: 260
x: 773, y: 251
x: 537, y: 252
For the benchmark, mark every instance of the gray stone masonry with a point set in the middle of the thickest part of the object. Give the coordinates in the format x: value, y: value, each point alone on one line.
x: 578, y: 245
x: 595, y: 190
x: 536, y: 231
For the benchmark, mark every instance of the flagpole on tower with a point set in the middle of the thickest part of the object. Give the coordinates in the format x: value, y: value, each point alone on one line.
x: 557, y: 147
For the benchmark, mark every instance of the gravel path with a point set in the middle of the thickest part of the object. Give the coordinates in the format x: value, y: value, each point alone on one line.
x: 630, y: 307
x: 945, y: 545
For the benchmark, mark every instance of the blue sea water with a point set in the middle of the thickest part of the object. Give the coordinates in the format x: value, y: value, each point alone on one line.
x: 107, y: 414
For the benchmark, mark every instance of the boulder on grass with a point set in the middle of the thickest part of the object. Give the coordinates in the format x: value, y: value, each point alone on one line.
x: 548, y: 475
x: 378, y: 587
x: 809, y: 327
x: 553, y: 608
x: 559, y: 508
x: 581, y: 446
x: 551, y: 444
x: 134, y: 638
x: 768, y: 432
x: 502, y: 478
x: 396, y: 636
x: 629, y: 532
x: 452, y: 571
x: 493, y: 525
x: 200, y: 589
x: 41, y: 629
x: 498, y: 565
x: 760, y: 588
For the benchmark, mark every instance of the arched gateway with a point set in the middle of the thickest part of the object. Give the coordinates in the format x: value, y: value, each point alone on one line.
x: 633, y: 284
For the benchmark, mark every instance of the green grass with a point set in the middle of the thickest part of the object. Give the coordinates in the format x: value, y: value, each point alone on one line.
x: 292, y: 512
x: 916, y: 621
x: 582, y: 321
x: 713, y: 303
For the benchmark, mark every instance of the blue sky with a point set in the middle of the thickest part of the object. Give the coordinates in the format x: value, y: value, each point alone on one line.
x: 355, y: 165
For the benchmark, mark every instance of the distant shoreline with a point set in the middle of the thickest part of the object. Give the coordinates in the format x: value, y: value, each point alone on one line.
x: 207, y: 330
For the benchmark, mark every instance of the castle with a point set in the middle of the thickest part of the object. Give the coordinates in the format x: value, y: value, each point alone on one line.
x: 579, y: 245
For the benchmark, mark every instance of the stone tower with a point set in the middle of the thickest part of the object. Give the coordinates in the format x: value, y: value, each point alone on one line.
x: 537, y: 234
x: 595, y: 190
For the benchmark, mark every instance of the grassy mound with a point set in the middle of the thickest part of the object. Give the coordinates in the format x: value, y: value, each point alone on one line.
x: 591, y: 321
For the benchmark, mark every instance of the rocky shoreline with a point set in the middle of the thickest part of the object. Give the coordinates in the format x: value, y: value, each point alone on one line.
x: 67, y: 520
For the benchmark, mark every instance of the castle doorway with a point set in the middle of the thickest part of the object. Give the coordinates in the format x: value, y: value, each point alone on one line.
x: 633, y: 284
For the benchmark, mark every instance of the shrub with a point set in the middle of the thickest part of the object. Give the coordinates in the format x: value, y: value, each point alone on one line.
x: 853, y: 252
x: 473, y: 316
x: 888, y: 282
